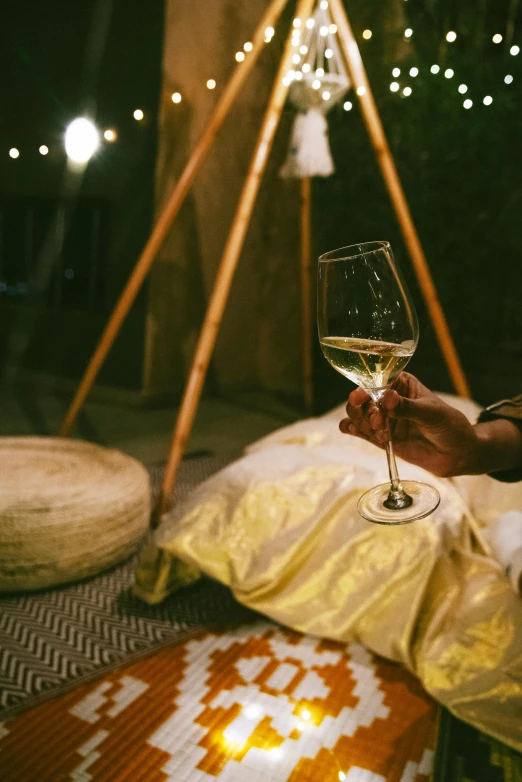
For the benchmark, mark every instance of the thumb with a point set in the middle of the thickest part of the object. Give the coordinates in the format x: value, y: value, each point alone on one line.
x: 421, y: 411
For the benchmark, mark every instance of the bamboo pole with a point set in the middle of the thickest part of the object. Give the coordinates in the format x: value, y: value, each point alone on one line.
x: 384, y: 157
x: 360, y: 83
x: 168, y: 214
x: 306, y: 289
x: 227, y: 267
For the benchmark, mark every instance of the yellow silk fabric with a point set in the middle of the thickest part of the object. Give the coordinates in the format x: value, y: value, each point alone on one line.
x: 281, y: 528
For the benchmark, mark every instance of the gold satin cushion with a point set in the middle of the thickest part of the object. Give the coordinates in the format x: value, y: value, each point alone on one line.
x: 281, y: 528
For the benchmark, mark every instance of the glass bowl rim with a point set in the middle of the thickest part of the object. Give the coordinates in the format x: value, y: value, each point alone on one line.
x: 372, y: 248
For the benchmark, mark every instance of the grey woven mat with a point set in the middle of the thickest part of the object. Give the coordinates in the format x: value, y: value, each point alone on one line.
x: 56, y: 638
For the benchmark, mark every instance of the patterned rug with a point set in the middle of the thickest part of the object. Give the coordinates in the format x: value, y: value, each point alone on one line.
x: 257, y: 703
x: 52, y: 639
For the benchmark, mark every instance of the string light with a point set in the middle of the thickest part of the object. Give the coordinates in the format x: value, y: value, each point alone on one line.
x: 451, y: 36
x: 81, y: 140
x: 342, y: 776
x: 110, y: 135
x: 14, y: 153
x: 324, y: 5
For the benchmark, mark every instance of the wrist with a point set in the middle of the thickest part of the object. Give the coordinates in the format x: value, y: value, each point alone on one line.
x: 498, y: 447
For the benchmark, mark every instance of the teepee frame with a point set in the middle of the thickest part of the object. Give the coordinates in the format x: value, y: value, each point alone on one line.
x: 232, y: 251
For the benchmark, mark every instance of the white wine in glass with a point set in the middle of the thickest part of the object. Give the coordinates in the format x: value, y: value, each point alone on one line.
x: 368, y: 332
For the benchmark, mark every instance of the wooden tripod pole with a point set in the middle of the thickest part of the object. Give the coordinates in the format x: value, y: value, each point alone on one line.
x: 168, y: 214
x: 228, y: 265
x: 306, y: 289
x: 375, y: 130
x: 360, y: 83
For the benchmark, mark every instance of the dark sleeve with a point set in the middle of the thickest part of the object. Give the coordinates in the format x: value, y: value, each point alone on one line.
x: 511, y: 409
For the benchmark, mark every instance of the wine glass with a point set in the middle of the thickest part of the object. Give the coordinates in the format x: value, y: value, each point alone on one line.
x: 368, y: 332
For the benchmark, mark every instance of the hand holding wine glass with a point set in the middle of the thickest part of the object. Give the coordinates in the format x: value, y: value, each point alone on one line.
x: 425, y: 430
x: 368, y: 331
x: 434, y: 435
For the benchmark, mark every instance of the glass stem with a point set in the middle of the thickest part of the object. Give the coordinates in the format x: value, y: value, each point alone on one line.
x: 397, y: 498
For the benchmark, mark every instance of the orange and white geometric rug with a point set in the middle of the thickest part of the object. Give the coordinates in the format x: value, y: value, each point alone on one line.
x: 255, y: 704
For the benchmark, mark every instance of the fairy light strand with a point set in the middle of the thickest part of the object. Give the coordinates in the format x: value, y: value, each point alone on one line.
x: 451, y: 36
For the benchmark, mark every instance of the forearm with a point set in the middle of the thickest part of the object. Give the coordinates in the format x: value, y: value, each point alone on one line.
x: 499, y: 447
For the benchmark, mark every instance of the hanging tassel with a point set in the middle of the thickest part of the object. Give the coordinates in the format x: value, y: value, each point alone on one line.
x: 309, y: 154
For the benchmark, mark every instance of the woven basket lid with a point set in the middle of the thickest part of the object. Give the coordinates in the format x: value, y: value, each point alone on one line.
x: 68, y: 509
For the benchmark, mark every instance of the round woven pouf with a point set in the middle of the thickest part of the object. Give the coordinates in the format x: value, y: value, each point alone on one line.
x: 68, y: 509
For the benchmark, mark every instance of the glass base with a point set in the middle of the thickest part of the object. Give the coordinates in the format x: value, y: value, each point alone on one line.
x: 425, y: 499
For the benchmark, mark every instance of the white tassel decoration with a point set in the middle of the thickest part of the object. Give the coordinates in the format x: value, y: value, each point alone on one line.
x: 309, y: 154
x: 316, y: 83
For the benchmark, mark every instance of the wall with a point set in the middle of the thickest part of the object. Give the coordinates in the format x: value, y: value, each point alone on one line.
x: 258, y: 342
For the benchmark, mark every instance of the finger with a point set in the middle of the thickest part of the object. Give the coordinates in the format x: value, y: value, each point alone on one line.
x: 358, y: 416
x: 422, y: 411
x: 367, y: 416
x: 409, y: 386
x: 376, y: 419
x: 348, y: 428
x: 358, y: 397
x: 344, y: 425
x: 363, y: 428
